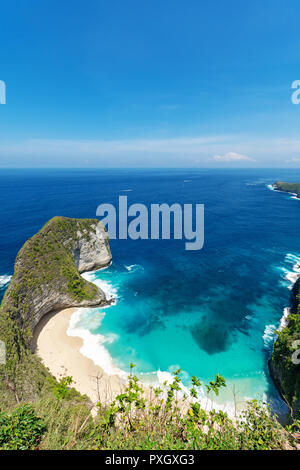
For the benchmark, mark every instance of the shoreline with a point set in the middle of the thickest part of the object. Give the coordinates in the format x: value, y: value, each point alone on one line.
x: 60, y: 354
x: 273, y: 188
x: 63, y: 354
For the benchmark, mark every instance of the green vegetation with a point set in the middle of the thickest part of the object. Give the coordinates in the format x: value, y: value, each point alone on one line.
x: 44, y: 269
x: 20, y: 430
x: 140, y: 420
x: 282, y: 359
x: 285, y: 370
x: 61, y: 388
x: 47, y: 260
x: 288, y: 187
x: 38, y: 412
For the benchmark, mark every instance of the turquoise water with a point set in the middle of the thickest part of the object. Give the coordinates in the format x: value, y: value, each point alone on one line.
x: 210, y: 311
x: 190, y: 337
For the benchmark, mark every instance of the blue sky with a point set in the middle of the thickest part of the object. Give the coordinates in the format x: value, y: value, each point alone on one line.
x: 157, y: 83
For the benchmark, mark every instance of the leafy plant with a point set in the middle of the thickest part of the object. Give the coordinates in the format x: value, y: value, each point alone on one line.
x: 61, y: 388
x: 21, y: 430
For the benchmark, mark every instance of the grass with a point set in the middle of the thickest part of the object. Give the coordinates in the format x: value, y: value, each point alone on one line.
x: 36, y: 411
x: 44, y: 268
x: 61, y: 420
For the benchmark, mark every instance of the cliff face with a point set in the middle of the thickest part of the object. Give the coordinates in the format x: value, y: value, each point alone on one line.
x: 284, y: 370
x: 47, y: 270
x: 283, y: 367
x: 46, y: 278
x: 93, y: 253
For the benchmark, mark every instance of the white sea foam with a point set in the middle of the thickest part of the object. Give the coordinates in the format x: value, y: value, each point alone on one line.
x: 109, y: 290
x: 283, y: 320
x: 4, y: 280
x: 269, y: 336
x: 292, y: 258
x: 291, y: 275
x: 130, y: 268
x: 94, y: 345
x: 133, y: 267
x: 292, y: 278
x: 165, y: 377
x: 272, y: 188
x: 293, y: 195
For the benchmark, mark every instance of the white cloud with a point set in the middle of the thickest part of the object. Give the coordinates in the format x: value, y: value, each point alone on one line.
x: 293, y: 160
x: 179, y: 145
x: 185, y: 151
x: 231, y: 157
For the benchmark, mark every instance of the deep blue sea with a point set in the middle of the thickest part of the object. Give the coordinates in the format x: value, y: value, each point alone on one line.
x: 208, y: 311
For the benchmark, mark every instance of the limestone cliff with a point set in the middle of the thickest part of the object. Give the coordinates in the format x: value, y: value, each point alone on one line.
x: 284, y: 370
x: 47, y: 277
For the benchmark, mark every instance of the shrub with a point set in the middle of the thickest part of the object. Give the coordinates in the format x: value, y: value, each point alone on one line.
x: 21, y: 430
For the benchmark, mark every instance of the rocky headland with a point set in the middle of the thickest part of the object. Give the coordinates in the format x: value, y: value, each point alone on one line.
x: 47, y: 278
x: 292, y: 188
x: 284, y: 366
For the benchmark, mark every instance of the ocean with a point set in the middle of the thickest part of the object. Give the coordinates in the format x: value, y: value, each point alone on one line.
x: 209, y: 311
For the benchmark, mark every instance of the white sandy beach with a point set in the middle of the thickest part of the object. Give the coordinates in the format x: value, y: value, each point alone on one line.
x: 60, y: 353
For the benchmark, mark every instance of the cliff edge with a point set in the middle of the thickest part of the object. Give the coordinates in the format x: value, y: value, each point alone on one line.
x: 284, y: 370
x: 46, y: 278
x: 283, y: 364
